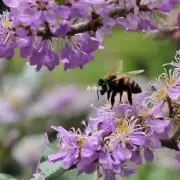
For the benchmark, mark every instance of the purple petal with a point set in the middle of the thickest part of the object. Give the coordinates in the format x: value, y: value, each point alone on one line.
x: 12, y: 3
x: 127, y: 171
x: 148, y: 154
x: 138, y: 139
x: 174, y: 93
x: 56, y: 157
x: 87, y: 168
x: 68, y: 161
x: 109, y: 175
x: 158, y: 126
x: 136, y: 157
x: 90, y: 45
x: 179, y: 146
x: 178, y: 156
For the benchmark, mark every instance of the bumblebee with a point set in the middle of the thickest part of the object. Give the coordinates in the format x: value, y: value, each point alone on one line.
x: 114, y: 83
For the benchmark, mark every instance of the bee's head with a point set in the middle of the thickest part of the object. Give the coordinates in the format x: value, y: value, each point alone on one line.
x: 102, y: 84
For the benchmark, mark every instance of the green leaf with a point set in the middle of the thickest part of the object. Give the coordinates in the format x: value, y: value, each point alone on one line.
x: 56, y: 172
x: 49, y: 149
x: 72, y: 175
x: 50, y: 171
x: 6, y: 177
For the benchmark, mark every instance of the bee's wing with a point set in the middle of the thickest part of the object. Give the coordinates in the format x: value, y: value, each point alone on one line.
x: 119, y: 67
x: 128, y: 74
x: 115, y: 69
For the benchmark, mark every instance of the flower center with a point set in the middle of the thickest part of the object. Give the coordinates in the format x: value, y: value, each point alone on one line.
x: 7, y: 25
x: 161, y: 94
x: 80, y: 142
x: 5, y: 21
x: 171, y: 81
x: 122, y: 127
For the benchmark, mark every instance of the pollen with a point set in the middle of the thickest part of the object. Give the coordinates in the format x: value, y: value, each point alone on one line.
x: 59, y: 19
x: 5, y: 21
x: 122, y: 127
x: 171, y: 81
x: 161, y: 94
x: 145, y: 113
x: 80, y: 142
x: 7, y: 25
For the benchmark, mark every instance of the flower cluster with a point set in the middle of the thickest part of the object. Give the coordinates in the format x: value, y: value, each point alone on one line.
x: 34, y: 26
x: 170, y: 26
x: 125, y: 135
x: 111, y: 140
x: 167, y: 89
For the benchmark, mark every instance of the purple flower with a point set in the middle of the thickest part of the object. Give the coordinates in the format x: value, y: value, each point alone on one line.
x: 127, y: 171
x: 7, y: 39
x: 128, y: 23
x: 44, y: 57
x: 157, y: 126
x: 148, y: 154
x: 121, y: 153
x: 136, y: 157
x: 109, y: 163
x: 59, y: 98
x: 77, y: 51
x: 85, y: 167
x: 34, y: 12
x: 89, y: 155
x: 62, y: 29
x: 174, y: 92
x: 74, y: 58
x: 70, y: 152
x: 168, y: 5
x: 12, y: 3
x: 109, y: 175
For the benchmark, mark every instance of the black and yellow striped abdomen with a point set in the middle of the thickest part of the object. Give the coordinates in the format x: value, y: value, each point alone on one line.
x: 135, y: 88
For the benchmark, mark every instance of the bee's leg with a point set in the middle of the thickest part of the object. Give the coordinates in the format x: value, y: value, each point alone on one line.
x: 121, y: 93
x: 129, y: 94
x: 113, y: 99
x: 108, y: 94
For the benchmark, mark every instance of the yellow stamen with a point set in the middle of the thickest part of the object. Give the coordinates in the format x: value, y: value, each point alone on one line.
x: 161, y: 94
x: 145, y: 113
x: 122, y: 127
x: 80, y: 142
x: 7, y: 25
x: 170, y: 82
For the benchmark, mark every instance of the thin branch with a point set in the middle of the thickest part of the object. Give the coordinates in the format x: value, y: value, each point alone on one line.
x: 93, y: 24
x: 116, y: 12
x: 171, y: 113
x: 170, y: 144
x: 164, y: 32
x: 176, y: 135
x: 138, y: 2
